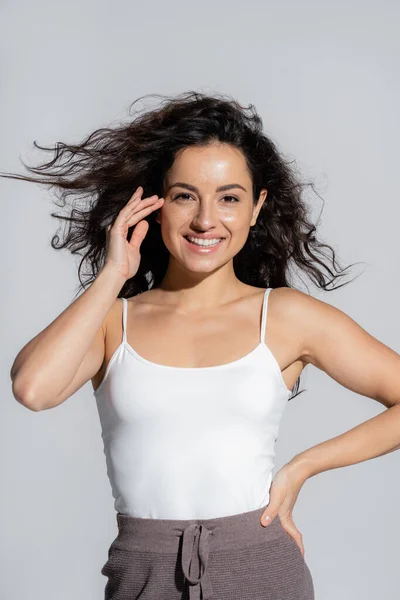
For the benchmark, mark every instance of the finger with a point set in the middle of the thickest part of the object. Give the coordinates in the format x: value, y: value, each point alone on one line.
x: 136, y: 202
x: 139, y: 234
x: 134, y: 216
x: 137, y: 196
x: 133, y: 200
x: 143, y: 203
x: 137, y: 208
x: 289, y: 526
x: 137, y: 216
x: 298, y: 538
x: 276, y: 497
x: 124, y: 213
x: 132, y: 205
x: 137, y: 193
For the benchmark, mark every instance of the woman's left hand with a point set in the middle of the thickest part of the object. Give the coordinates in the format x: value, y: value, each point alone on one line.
x: 284, y: 490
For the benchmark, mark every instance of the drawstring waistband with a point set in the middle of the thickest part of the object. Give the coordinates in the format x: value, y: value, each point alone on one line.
x: 195, y: 547
x: 192, y: 541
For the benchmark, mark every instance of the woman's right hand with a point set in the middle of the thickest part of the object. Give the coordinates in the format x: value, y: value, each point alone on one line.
x: 124, y: 256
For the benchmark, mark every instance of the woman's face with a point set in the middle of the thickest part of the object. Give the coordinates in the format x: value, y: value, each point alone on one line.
x: 197, y: 209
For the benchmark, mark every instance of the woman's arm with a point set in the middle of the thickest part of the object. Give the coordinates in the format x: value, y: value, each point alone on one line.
x: 336, y: 344
x: 375, y: 437
x: 69, y: 351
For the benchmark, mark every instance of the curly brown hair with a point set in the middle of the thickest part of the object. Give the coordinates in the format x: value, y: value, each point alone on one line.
x: 102, y: 172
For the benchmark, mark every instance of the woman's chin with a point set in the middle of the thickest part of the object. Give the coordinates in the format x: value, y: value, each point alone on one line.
x: 205, y: 265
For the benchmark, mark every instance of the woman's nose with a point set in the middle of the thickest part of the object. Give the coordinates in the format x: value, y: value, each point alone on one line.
x: 205, y: 216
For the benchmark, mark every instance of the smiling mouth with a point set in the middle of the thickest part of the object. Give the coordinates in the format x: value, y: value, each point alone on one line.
x: 202, y: 242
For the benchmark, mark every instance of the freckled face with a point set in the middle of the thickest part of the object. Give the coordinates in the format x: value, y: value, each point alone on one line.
x: 193, y: 206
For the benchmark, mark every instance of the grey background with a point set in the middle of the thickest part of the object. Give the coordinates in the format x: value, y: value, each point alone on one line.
x: 324, y: 77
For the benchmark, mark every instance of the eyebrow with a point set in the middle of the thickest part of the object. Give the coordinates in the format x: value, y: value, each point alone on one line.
x: 193, y: 188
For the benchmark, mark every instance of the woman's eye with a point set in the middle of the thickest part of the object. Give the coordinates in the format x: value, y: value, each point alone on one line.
x: 233, y: 198
x: 180, y: 195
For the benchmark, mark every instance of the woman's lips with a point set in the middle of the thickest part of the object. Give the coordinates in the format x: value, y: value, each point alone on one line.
x: 203, y: 249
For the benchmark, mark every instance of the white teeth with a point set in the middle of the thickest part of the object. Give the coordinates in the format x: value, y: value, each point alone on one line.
x: 202, y: 242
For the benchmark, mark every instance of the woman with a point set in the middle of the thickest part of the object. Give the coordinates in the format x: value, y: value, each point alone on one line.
x: 194, y: 341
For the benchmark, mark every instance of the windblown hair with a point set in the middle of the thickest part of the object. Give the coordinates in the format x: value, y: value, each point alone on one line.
x: 102, y: 172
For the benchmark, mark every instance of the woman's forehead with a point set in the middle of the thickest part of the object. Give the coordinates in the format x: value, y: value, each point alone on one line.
x: 208, y: 167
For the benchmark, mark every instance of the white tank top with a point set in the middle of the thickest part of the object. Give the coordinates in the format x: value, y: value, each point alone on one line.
x: 190, y: 442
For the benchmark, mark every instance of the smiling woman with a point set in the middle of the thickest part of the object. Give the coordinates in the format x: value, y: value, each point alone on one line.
x: 190, y: 222
x: 96, y: 178
x: 207, y: 221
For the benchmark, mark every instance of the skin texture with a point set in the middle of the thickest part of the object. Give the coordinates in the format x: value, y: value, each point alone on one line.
x: 206, y: 211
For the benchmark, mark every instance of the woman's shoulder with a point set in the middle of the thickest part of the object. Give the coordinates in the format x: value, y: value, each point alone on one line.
x: 287, y: 300
x: 300, y: 311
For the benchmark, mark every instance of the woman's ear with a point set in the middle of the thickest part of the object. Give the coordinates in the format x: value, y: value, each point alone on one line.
x: 257, y: 207
x: 158, y: 216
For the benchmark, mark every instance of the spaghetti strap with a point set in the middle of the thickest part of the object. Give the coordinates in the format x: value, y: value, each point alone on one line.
x: 124, y: 318
x: 264, y: 315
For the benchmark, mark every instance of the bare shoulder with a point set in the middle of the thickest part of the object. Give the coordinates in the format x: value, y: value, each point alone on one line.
x: 290, y: 297
x: 311, y: 316
x: 304, y: 316
x: 337, y: 344
x: 289, y: 305
x: 297, y: 305
x: 113, y: 320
